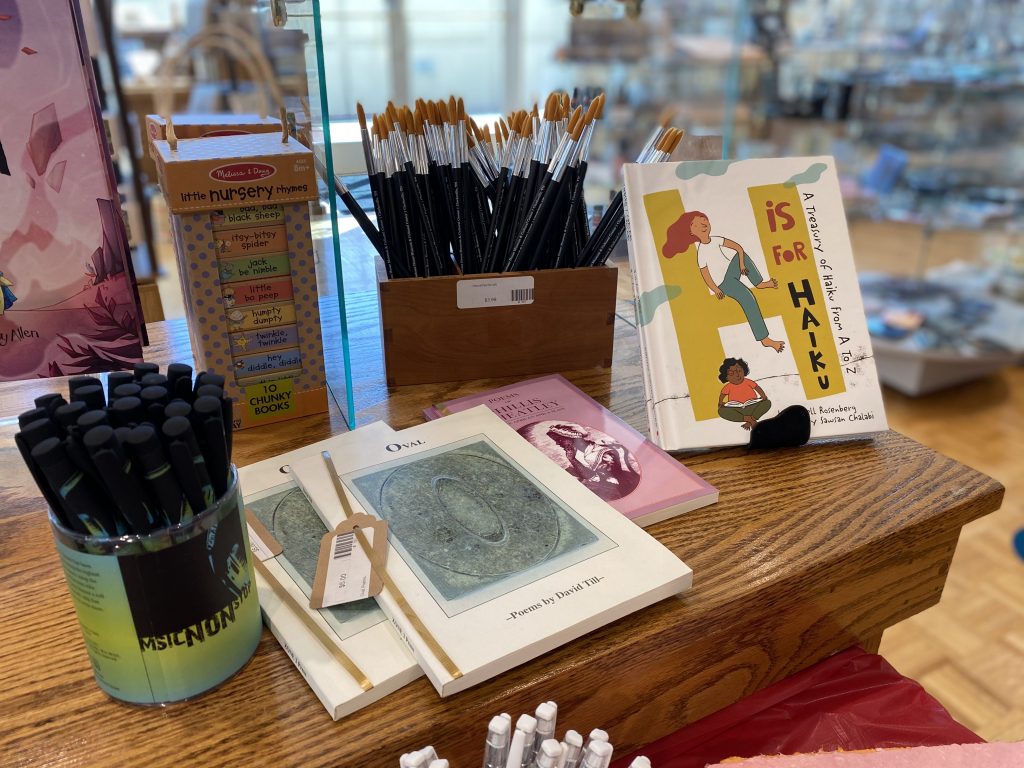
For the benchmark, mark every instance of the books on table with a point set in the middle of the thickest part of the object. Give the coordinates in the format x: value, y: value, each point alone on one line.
x: 594, y: 446
x: 496, y: 555
x: 744, y: 278
x: 359, y: 630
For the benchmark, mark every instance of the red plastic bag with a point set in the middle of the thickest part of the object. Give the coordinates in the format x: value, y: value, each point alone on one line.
x: 853, y: 700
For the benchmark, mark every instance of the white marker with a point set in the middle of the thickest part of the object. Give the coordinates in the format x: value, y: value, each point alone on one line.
x: 549, y: 753
x: 496, y: 748
x: 572, y: 749
x: 599, y: 755
x: 528, y: 725
x: 640, y: 762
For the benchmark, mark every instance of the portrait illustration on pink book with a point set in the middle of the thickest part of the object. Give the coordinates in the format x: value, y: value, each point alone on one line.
x: 722, y: 263
x: 597, y: 460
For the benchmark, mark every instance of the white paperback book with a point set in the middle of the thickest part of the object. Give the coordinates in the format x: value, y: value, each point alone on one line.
x: 359, y: 630
x: 496, y: 555
x: 747, y: 300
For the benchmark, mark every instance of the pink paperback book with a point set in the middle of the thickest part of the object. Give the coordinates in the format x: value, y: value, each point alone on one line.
x: 592, y: 444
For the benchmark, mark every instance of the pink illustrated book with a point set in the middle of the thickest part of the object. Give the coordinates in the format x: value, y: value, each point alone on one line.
x: 69, y: 302
x: 591, y: 443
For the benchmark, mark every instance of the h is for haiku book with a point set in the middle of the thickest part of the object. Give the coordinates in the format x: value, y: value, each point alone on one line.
x: 747, y: 300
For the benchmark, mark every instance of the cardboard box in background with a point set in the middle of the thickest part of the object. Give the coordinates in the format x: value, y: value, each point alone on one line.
x: 239, y: 216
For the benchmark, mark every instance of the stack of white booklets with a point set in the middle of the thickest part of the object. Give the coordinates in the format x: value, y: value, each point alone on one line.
x: 495, y: 554
x: 359, y: 630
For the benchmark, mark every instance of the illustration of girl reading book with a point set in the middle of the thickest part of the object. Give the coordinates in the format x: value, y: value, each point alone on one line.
x: 722, y: 262
x: 741, y: 399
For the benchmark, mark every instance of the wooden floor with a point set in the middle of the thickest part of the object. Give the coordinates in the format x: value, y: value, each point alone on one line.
x: 968, y: 651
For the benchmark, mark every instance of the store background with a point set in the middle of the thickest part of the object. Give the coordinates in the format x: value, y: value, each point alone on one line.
x: 920, y: 102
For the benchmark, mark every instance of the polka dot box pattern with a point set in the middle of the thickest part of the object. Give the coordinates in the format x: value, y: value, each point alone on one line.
x: 240, y: 217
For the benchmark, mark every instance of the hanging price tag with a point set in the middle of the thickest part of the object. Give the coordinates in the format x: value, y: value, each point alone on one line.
x: 344, y: 570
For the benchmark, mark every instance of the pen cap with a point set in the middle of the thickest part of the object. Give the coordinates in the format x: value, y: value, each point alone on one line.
x: 130, y: 389
x: 527, y: 724
x: 35, y: 414
x: 177, y: 371
x: 35, y: 432
x: 90, y: 420
x: 177, y: 408
x: 151, y: 395
x: 127, y: 410
x: 145, y: 446
x: 154, y: 380
x: 91, y: 395
x: 546, y: 714
x: 548, y: 754
x: 206, y: 377
x: 77, y: 382
x: 573, y: 739
x: 498, y: 732
x: 180, y: 428
x: 599, y: 755
x: 115, y: 379
x: 67, y: 415
x: 210, y: 390
x: 440, y: 763
x: 141, y: 369
x: 51, y: 402
x: 598, y: 735
x: 640, y: 762
x: 102, y: 438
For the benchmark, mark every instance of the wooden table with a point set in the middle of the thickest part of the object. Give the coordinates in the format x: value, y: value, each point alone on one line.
x: 809, y: 551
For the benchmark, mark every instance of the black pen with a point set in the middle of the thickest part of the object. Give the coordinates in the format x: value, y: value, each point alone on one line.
x: 188, y: 463
x: 141, y: 369
x: 90, y: 420
x: 179, y: 380
x: 80, y: 499
x: 35, y: 432
x: 155, y: 380
x: 51, y: 402
x: 77, y: 382
x: 209, y: 423
x: 122, y: 485
x: 34, y: 414
x: 127, y: 390
x: 114, y: 380
x: 177, y: 408
x: 210, y: 390
x: 205, y: 377
x: 153, y: 401
x: 148, y: 454
x: 127, y: 411
x: 67, y: 415
x: 52, y: 499
x: 91, y: 395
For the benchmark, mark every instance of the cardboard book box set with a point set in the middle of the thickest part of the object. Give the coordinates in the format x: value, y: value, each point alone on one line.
x: 239, y: 208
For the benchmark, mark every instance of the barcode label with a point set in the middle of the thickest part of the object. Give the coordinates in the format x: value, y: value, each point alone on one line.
x: 494, y: 292
x: 347, y: 575
x: 343, y: 546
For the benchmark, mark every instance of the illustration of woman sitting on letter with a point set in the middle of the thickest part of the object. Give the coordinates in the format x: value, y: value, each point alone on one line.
x: 722, y: 262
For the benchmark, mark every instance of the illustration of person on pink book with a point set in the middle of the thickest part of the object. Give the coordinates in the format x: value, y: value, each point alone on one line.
x: 741, y: 399
x: 9, y: 297
x: 722, y: 262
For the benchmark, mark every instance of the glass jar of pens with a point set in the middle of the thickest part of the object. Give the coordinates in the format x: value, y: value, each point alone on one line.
x: 509, y: 279
x: 146, y: 513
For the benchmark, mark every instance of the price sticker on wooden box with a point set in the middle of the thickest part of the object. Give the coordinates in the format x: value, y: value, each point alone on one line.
x: 494, y: 292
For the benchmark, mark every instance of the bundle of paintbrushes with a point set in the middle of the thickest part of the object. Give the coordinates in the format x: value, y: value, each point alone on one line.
x: 453, y: 198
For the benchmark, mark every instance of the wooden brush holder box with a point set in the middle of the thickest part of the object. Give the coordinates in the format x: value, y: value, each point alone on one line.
x: 437, y: 330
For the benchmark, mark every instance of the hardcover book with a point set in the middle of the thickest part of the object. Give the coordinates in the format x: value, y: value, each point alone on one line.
x: 593, y: 445
x: 69, y: 302
x: 359, y: 629
x: 747, y: 300
x: 496, y: 555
